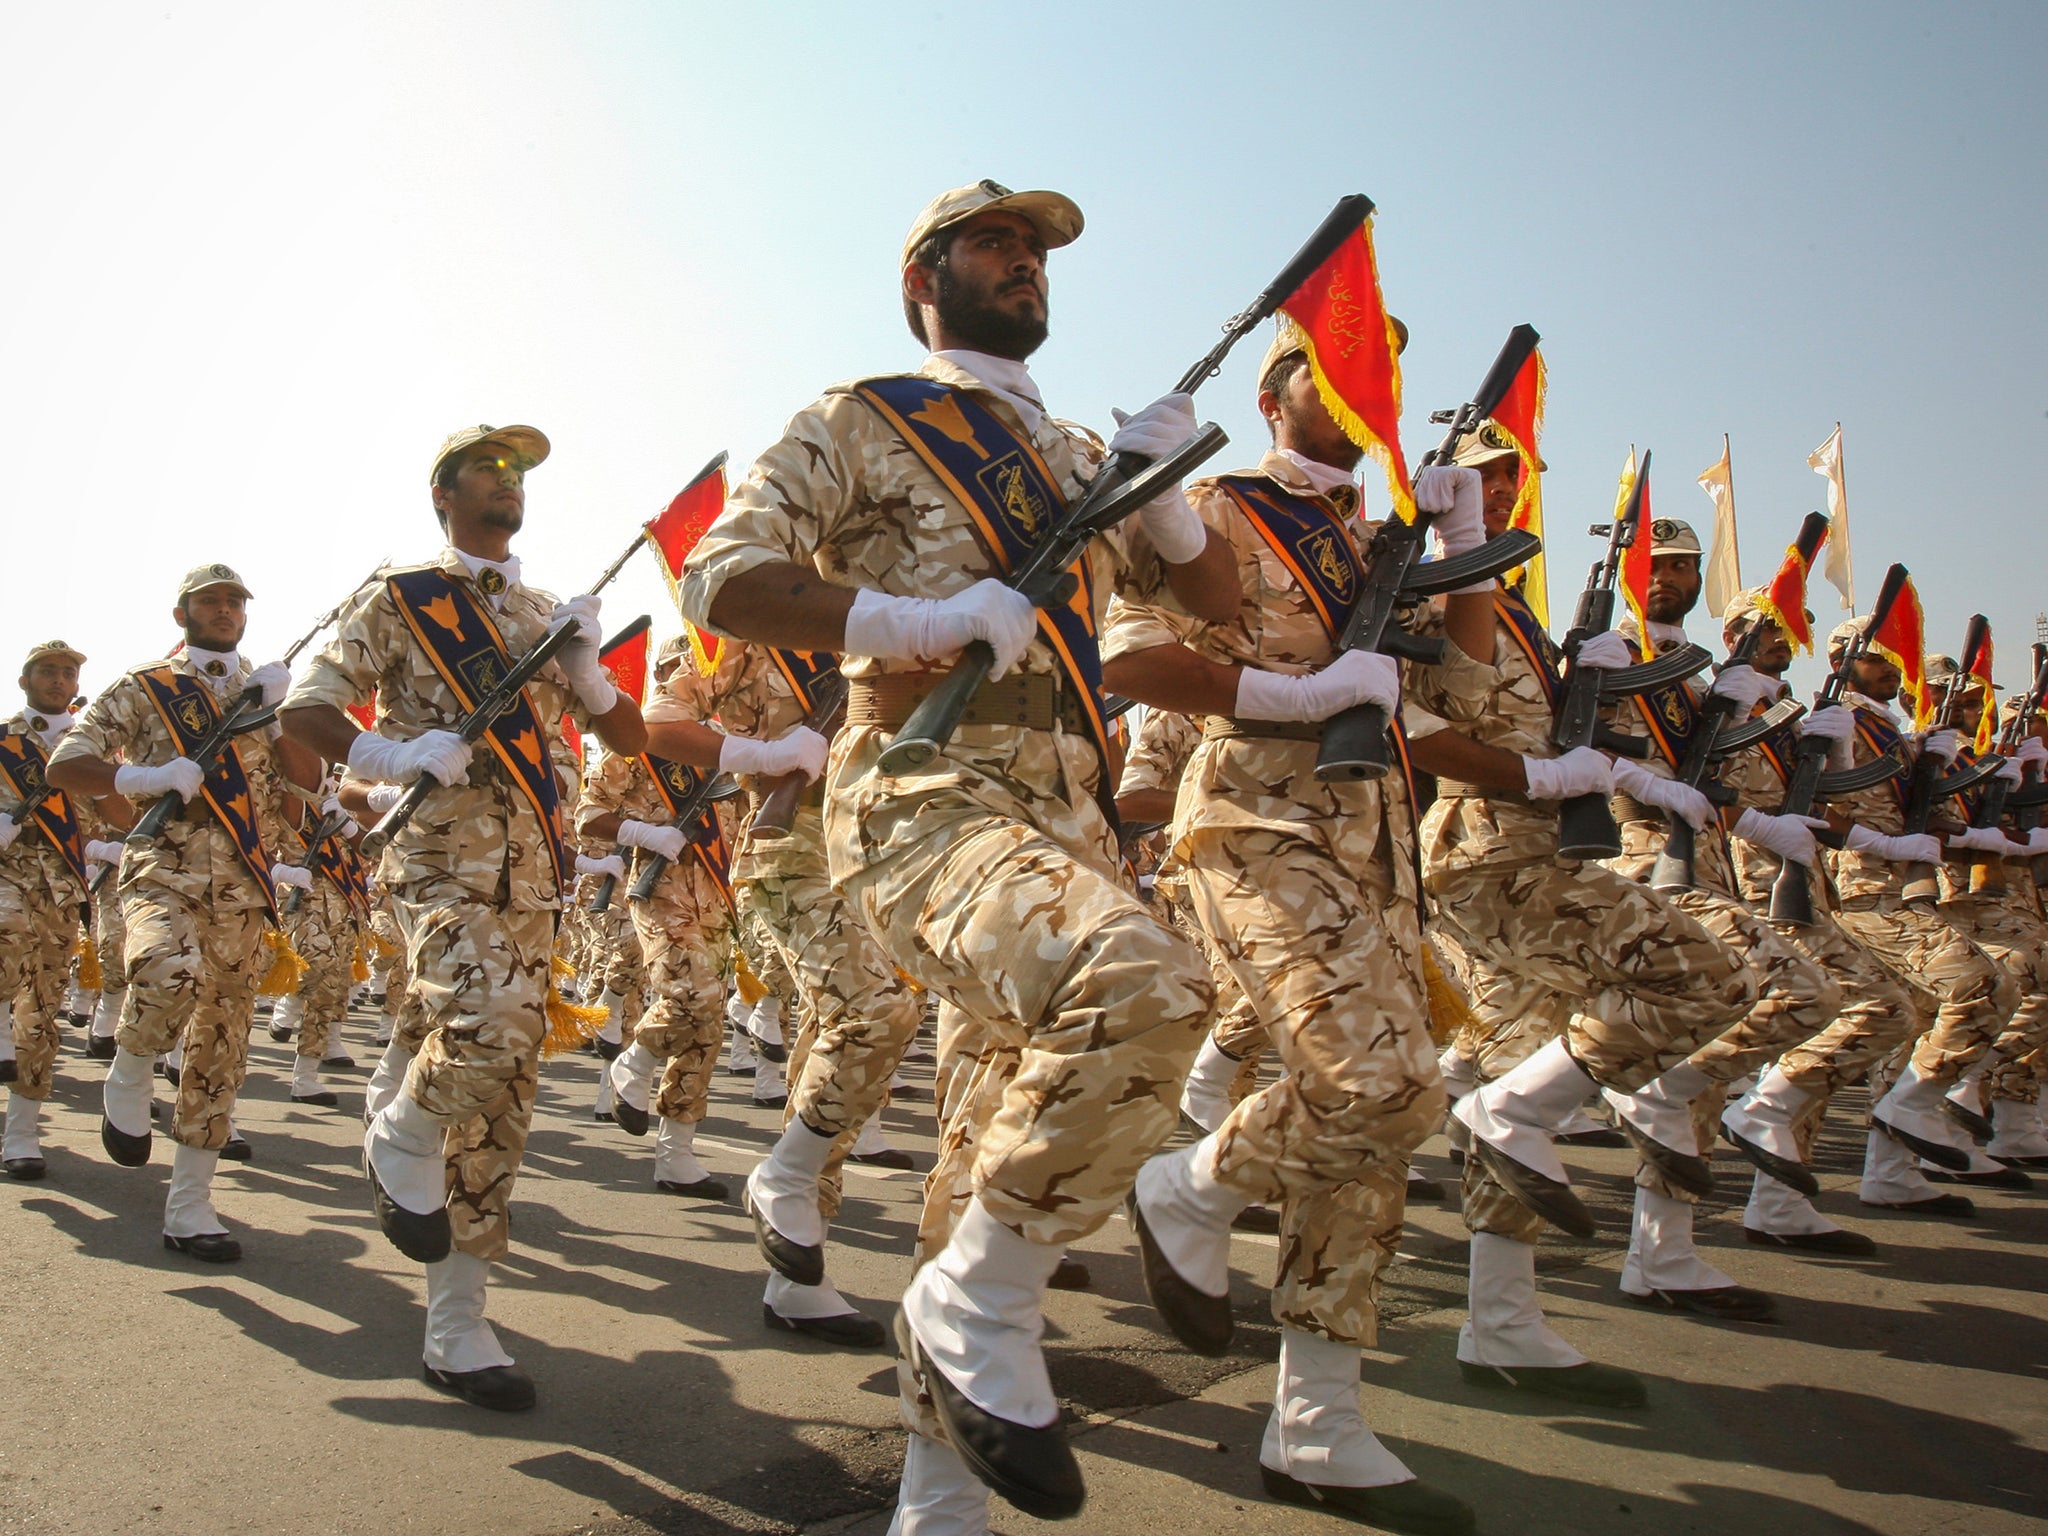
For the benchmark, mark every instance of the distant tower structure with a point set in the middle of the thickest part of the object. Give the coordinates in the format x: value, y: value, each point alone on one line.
x: 2041, y: 629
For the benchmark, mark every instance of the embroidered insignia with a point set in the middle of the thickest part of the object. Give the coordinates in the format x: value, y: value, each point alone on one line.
x: 490, y: 581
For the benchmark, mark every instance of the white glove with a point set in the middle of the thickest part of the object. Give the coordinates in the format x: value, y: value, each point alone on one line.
x: 383, y: 797
x: 2037, y: 842
x: 332, y: 806
x: 611, y: 864
x: 1607, y: 651
x: 442, y: 754
x: 9, y: 830
x: 2010, y: 771
x: 578, y: 658
x: 1745, y: 686
x: 272, y: 681
x: 803, y: 751
x: 1945, y: 745
x: 2033, y: 752
x: 1912, y: 848
x: 180, y: 776
x: 292, y: 874
x: 1175, y: 528
x: 1789, y: 837
x: 1835, y: 723
x: 1356, y: 677
x: 1453, y: 493
x: 664, y: 840
x: 1581, y: 771
x: 1981, y: 840
x: 927, y: 628
x: 1680, y: 800
x: 103, y: 853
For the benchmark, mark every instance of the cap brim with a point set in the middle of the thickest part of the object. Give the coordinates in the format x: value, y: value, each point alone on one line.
x: 1055, y: 216
x: 74, y: 657
x: 208, y: 586
x: 530, y: 443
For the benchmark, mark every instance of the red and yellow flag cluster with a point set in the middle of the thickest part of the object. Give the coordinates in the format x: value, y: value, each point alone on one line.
x: 1634, y: 577
x: 1784, y: 599
x: 675, y: 533
x: 1977, y: 667
x: 1899, y: 634
x: 1519, y: 418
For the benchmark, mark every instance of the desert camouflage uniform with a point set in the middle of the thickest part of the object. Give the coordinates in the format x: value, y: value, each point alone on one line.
x: 473, y: 890
x: 1307, y: 893
x: 991, y: 875
x: 409, y: 1021
x: 39, y: 902
x: 2012, y: 933
x: 684, y: 934
x: 1795, y: 997
x: 194, y: 915
x: 1556, y: 946
x: 323, y: 933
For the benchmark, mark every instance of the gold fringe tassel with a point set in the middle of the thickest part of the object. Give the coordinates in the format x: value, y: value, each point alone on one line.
x: 360, y: 969
x: 751, y: 988
x: 561, y: 969
x: 571, y: 1025
x: 286, y: 970
x: 1449, y: 1011
x: 89, y: 977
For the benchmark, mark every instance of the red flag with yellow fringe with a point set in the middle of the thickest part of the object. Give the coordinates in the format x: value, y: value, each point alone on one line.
x: 1519, y: 419
x: 1351, y: 345
x: 1900, y: 636
x: 1977, y: 663
x: 1635, y: 555
x: 676, y: 532
x: 1784, y: 598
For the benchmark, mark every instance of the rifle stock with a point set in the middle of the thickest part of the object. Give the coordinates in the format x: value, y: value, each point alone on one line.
x: 1673, y: 870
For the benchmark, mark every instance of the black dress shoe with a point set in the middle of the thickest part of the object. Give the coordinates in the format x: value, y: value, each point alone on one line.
x: 128, y: 1151
x: 1070, y: 1275
x: 1257, y: 1218
x: 1199, y: 1320
x: 1796, y: 1175
x: 425, y: 1239
x: 1688, y: 1172
x: 888, y: 1157
x: 1425, y: 1189
x: 1603, y: 1137
x: 2003, y: 1178
x: 237, y: 1150
x: 1412, y: 1507
x: 2022, y: 1162
x: 1723, y: 1303
x: 1600, y: 1386
x: 634, y: 1122
x: 208, y: 1247
x: 775, y: 1053
x: 1034, y: 1468
x: 100, y: 1047
x: 1549, y: 1198
x: 1934, y: 1205
x: 802, y: 1262
x: 1846, y: 1245
x: 10, y: 1071
x: 703, y: 1189
x: 1942, y: 1156
x: 501, y: 1388
x: 282, y: 1034
x: 604, y: 1117
x: 323, y: 1098
x: 1976, y: 1126
x: 169, y: 1074
x: 775, y: 1103
x: 26, y: 1169
x: 607, y: 1050
x: 337, y: 1064
x: 849, y: 1330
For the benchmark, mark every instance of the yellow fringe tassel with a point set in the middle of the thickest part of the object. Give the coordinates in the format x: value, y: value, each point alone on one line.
x: 360, y: 970
x: 89, y: 977
x: 752, y: 989
x: 383, y: 947
x: 571, y: 1025
x: 1449, y: 1012
x: 286, y: 968
x: 561, y: 969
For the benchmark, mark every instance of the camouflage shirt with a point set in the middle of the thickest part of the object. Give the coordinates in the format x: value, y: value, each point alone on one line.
x: 32, y: 864
x: 1878, y: 808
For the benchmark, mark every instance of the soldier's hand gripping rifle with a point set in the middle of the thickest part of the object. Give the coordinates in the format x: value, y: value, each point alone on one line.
x: 1987, y: 871
x: 716, y: 786
x: 1354, y: 744
x: 1810, y: 783
x: 2025, y: 802
x: 1585, y: 824
x: 329, y: 824
x: 785, y: 792
x: 1929, y: 786
x: 1123, y: 484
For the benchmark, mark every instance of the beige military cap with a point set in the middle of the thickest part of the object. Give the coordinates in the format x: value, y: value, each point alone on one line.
x: 215, y: 575
x: 1053, y: 215
x: 1486, y: 445
x: 529, y: 443
x: 53, y: 648
x: 1941, y: 668
x: 1672, y: 536
x: 1287, y: 338
x: 671, y: 650
x: 1840, y: 636
x: 1744, y: 606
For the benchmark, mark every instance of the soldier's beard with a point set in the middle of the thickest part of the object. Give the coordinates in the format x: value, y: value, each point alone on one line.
x: 972, y: 320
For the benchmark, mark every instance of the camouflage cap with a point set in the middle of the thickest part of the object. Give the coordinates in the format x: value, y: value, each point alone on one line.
x: 1486, y: 445
x: 1840, y: 636
x: 1945, y: 669
x: 1672, y: 536
x: 53, y: 648
x: 1744, y: 607
x: 529, y: 444
x: 1052, y: 214
x: 1287, y: 339
x: 215, y: 575
x: 670, y: 651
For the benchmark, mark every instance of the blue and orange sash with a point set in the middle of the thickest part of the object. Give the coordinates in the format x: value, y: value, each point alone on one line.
x: 471, y: 657
x: 806, y: 672
x: 677, y: 784
x: 1546, y: 660
x: 1312, y: 541
x: 1670, y: 714
x: 187, y: 708
x: 22, y: 762
x: 337, y: 859
x: 1014, y: 500
x: 1780, y: 748
x: 1881, y: 736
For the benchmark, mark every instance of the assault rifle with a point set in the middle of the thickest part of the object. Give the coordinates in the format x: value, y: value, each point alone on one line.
x: 1987, y: 871
x: 1810, y: 783
x: 777, y: 813
x: 1929, y: 786
x: 1585, y: 825
x: 1124, y: 483
x: 716, y: 786
x: 1354, y: 744
x: 2025, y: 803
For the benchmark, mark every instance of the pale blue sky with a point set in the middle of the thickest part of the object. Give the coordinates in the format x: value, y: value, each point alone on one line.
x: 264, y: 258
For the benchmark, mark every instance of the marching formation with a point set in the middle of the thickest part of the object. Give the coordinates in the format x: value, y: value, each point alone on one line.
x: 1380, y: 858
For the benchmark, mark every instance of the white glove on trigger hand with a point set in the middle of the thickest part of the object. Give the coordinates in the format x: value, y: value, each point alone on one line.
x: 1981, y: 840
x: 611, y: 864
x: 272, y: 681
x: 1175, y: 528
x: 180, y: 776
x: 103, y: 853
x: 1680, y: 800
x: 655, y: 838
x: 1356, y: 677
x: 1581, y: 771
x: 928, y: 628
x: 1912, y: 848
x: 1452, y: 493
x: 1946, y: 744
x: 382, y: 797
x: 2033, y: 752
x: 9, y: 830
x: 1607, y: 651
x: 1744, y: 686
x: 443, y: 755
x: 1835, y: 723
x: 803, y: 751
x: 579, y: 657
x: 292, y: 874
x: 2037, y: 842
x: 1789, y: 837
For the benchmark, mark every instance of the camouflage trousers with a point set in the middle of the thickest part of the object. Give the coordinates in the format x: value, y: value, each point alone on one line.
x: 685, y: 937
x: 1315, y: 936
x: 193, y: 964
x: 1633, y: 984
x: 35, y: 947
x: 110, y: 939
x: 408, y: 1020
x: 1962, y: 997
x: 615, y: 962
x: 1875, y: 1019
x: 2018, y: 941
x: 856, y: 1015
x: 1238, y: 1032
x: 480, y: 978
x: 1089, y: 1010
x: 323, y: 931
